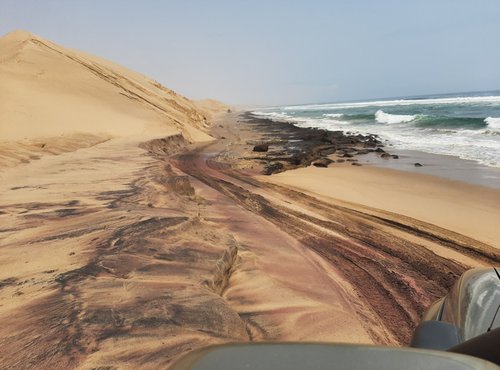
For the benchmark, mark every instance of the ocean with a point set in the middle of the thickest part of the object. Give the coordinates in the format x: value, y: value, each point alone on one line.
x: 461, y: 125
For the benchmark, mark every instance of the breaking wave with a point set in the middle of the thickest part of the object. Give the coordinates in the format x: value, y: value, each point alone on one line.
x: 495, y: 99
x: 272, y: 115
x: 382, y: 117
x: 493, y: 122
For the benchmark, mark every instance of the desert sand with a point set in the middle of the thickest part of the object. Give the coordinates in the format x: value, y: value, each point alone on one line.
x: 136, y: 226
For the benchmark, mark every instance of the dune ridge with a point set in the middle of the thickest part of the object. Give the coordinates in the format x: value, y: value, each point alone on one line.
x: 211, y: 107
x: 53, y: 98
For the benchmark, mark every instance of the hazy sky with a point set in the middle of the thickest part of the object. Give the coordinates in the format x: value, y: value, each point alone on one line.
x: 278, y: 52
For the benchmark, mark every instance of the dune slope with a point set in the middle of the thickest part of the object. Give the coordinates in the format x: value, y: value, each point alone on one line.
x: 49, y: 92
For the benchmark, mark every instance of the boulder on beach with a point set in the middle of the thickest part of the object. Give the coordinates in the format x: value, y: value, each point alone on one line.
x: 418, y: 164
x: 370, y: 143
x: 273, y: 167
x: 346, y: 155
x: 328, y: 151
x: 261, y: 148
x: 322, y: 162
x: 362, y: 152
x: 296, y: 160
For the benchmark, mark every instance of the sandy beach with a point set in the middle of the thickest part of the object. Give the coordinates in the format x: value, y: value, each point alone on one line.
x: 466, y: 209
x: 137, y: 225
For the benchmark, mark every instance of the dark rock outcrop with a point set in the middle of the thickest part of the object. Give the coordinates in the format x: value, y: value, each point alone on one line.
x: 322, y: 162
x: 303, y: 146
x: 273, y: 167
x: 261, y: 148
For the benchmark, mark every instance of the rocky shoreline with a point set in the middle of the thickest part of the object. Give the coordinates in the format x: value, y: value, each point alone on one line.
x: 284, y: 146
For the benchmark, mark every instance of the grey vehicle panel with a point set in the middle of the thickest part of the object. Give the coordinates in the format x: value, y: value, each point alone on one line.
x: 472, y: 302
x: 293, y: 356
x: 470, y: 309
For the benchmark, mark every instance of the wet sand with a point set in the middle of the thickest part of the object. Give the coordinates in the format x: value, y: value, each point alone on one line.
x: 130, y: 253
x: 444, y: 166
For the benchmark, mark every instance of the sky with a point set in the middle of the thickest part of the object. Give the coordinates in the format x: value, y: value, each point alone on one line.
x: 272, y: 52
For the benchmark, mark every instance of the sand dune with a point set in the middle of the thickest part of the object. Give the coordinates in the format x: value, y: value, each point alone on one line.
x: 49, y: 93
x: 211, y: 107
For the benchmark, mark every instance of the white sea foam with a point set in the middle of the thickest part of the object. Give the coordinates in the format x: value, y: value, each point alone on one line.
x: 272, y: 115
x: 382, y: 117
x: 493, y: 122
x: 333, y: 115
x: 390, y: 103
x: 326, y: 123
x: 323, y: 123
